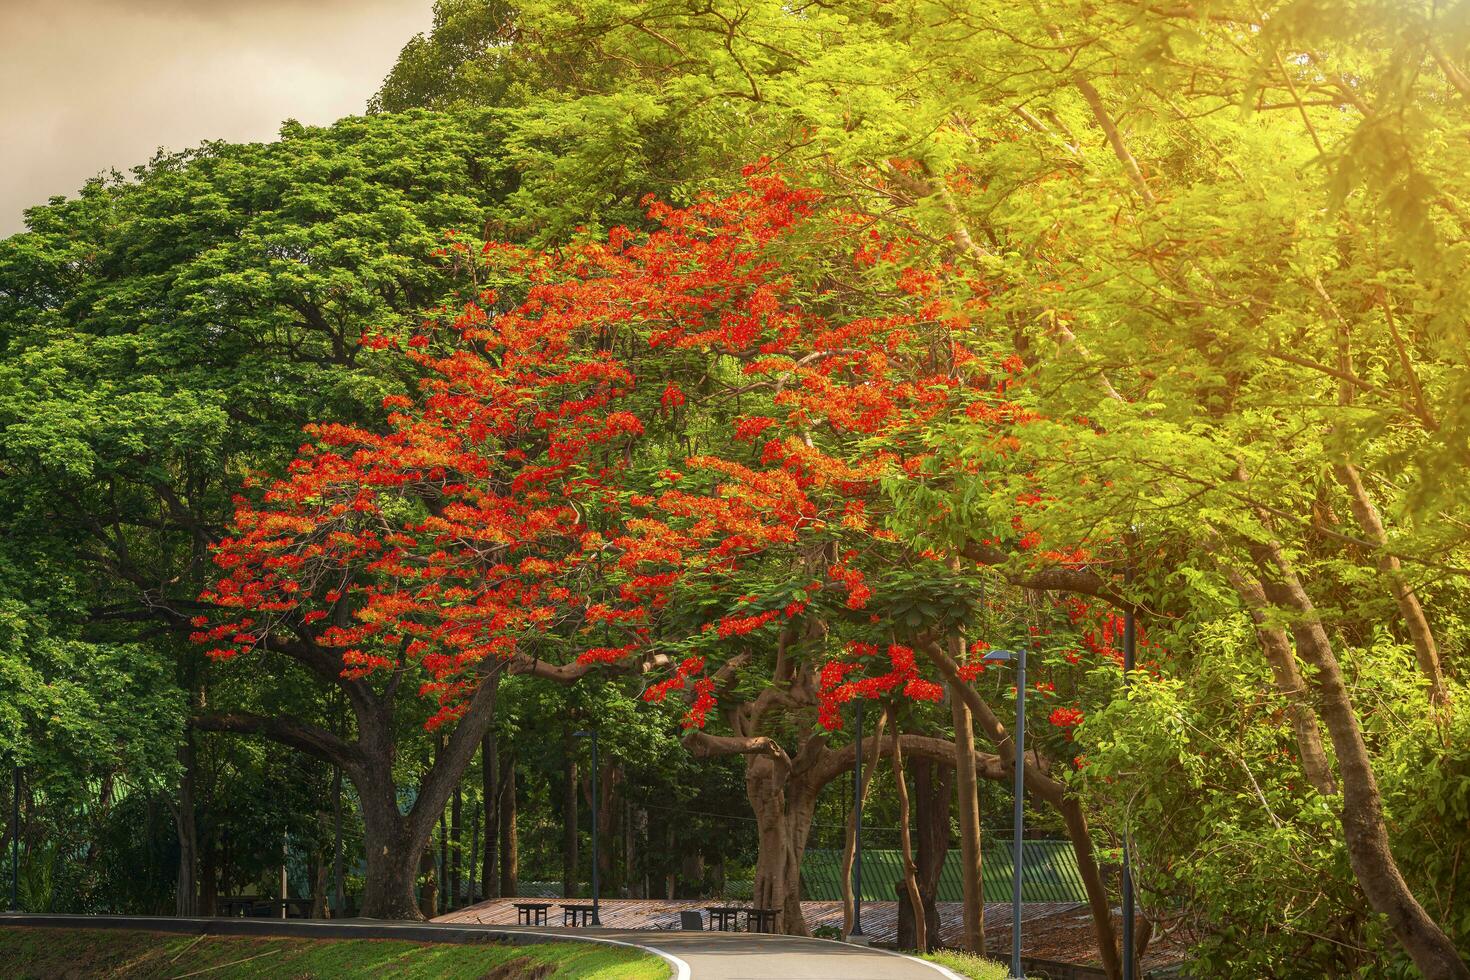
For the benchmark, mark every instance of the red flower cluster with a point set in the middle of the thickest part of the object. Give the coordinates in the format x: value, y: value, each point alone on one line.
x: 512, y: 507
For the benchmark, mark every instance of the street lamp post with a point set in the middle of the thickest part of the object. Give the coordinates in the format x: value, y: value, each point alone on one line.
x: 596, y: 919
x: 1017, y: 859
x: 857, y: 822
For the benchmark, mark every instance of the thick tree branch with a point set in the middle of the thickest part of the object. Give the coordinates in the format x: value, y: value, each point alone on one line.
x: 298, y: 734
x: 940, y: 750
x: 703, y: 745
x: 1081, y: 581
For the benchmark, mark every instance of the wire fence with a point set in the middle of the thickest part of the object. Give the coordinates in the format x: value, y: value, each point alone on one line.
x: 1049, y: 874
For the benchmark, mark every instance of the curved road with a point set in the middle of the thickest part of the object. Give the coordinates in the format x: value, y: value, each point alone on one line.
x: 754, y: 956
x: 692, y: 955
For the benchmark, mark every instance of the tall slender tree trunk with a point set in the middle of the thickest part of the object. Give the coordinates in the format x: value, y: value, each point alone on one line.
x: 1289, y: 682
x: 1365, y: 512
x: 608, y: 797
x: 569, y: 810
x: 905, y: 838
x: 1364, y: 829
x: 1426, y: 650
x: 456, y: 812
x: 472, y: 866
x: 490, y: 790
x: 510, y: 861
x: 630, y: 854
x: 849, y: 848
x: 186, y: 893
x: 967, y: 801
x: 208, y: 875
x: 1055, y: 794
x: 441, y: 867
x: 933, y: 787
x: 318, y: 886
x: 638, y: 851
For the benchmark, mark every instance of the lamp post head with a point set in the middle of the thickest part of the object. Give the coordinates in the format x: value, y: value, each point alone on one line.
x: 998, y: 656
x: 584, y: 734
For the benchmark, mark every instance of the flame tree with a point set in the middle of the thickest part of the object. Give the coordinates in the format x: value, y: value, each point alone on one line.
x: 668, y: 454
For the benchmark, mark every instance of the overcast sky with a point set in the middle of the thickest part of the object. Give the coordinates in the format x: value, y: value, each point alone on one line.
x: 86, y: 85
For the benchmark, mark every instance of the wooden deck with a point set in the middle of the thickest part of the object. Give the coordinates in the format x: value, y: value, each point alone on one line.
x: 880, y: 919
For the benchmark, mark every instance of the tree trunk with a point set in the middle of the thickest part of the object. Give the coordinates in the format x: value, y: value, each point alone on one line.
x: 906, y: 848
x: 691, y: 870
x: 208, y: 875
x: 429, y: 895
x: 510, y: 862
x: 1365, y: 512
x: 1426, y: 650
x: 1363, y: 824
x: 968, y: 802
x: 1289, y: 683
x: 472, y: 866
x: 932, y: 794
x: 1055, y: 794
x: 319, y: 887
x: 441, y: 867
x: 569, y: 841
x: 849, y: 849
x: 606, y: 816
x: 637, y: 858
x: 629, y: 861
x: 339, y: 872
x: 393, y: 842
x: 392, y: 858
x: 186, y: 892
x: 1098, y: 903
x: 784, y: 806
x: 490, y: 788
x: 453, y: 897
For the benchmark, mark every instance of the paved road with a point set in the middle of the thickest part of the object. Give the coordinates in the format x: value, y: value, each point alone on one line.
x: 693, y: 955
x: 743, y: 956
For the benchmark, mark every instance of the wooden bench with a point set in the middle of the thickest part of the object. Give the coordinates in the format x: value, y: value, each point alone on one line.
x: 579, y: 915
x: 532, y: 913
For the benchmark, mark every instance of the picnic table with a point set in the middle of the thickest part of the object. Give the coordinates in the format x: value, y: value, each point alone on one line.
x: 532, y: 913
x: 760, y: 920
x: 579, y: 915
x: 725, y: 918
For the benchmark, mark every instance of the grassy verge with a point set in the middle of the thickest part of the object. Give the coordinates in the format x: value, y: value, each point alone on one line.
x: 114, y: 954
x: 970, y: 965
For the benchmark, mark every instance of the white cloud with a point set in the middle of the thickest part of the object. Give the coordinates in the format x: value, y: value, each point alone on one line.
x: 90, y: 85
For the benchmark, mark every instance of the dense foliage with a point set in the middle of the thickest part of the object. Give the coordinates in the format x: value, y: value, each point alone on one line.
x: 946, y: 326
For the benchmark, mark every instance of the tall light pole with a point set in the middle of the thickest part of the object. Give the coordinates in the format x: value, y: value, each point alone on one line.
x: 596, y: 919
x: 857, y: 823
x: 1018, y: 861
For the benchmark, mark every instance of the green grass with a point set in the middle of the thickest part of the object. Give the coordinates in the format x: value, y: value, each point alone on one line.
x: 115, y: 954
x: 969, y: 965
